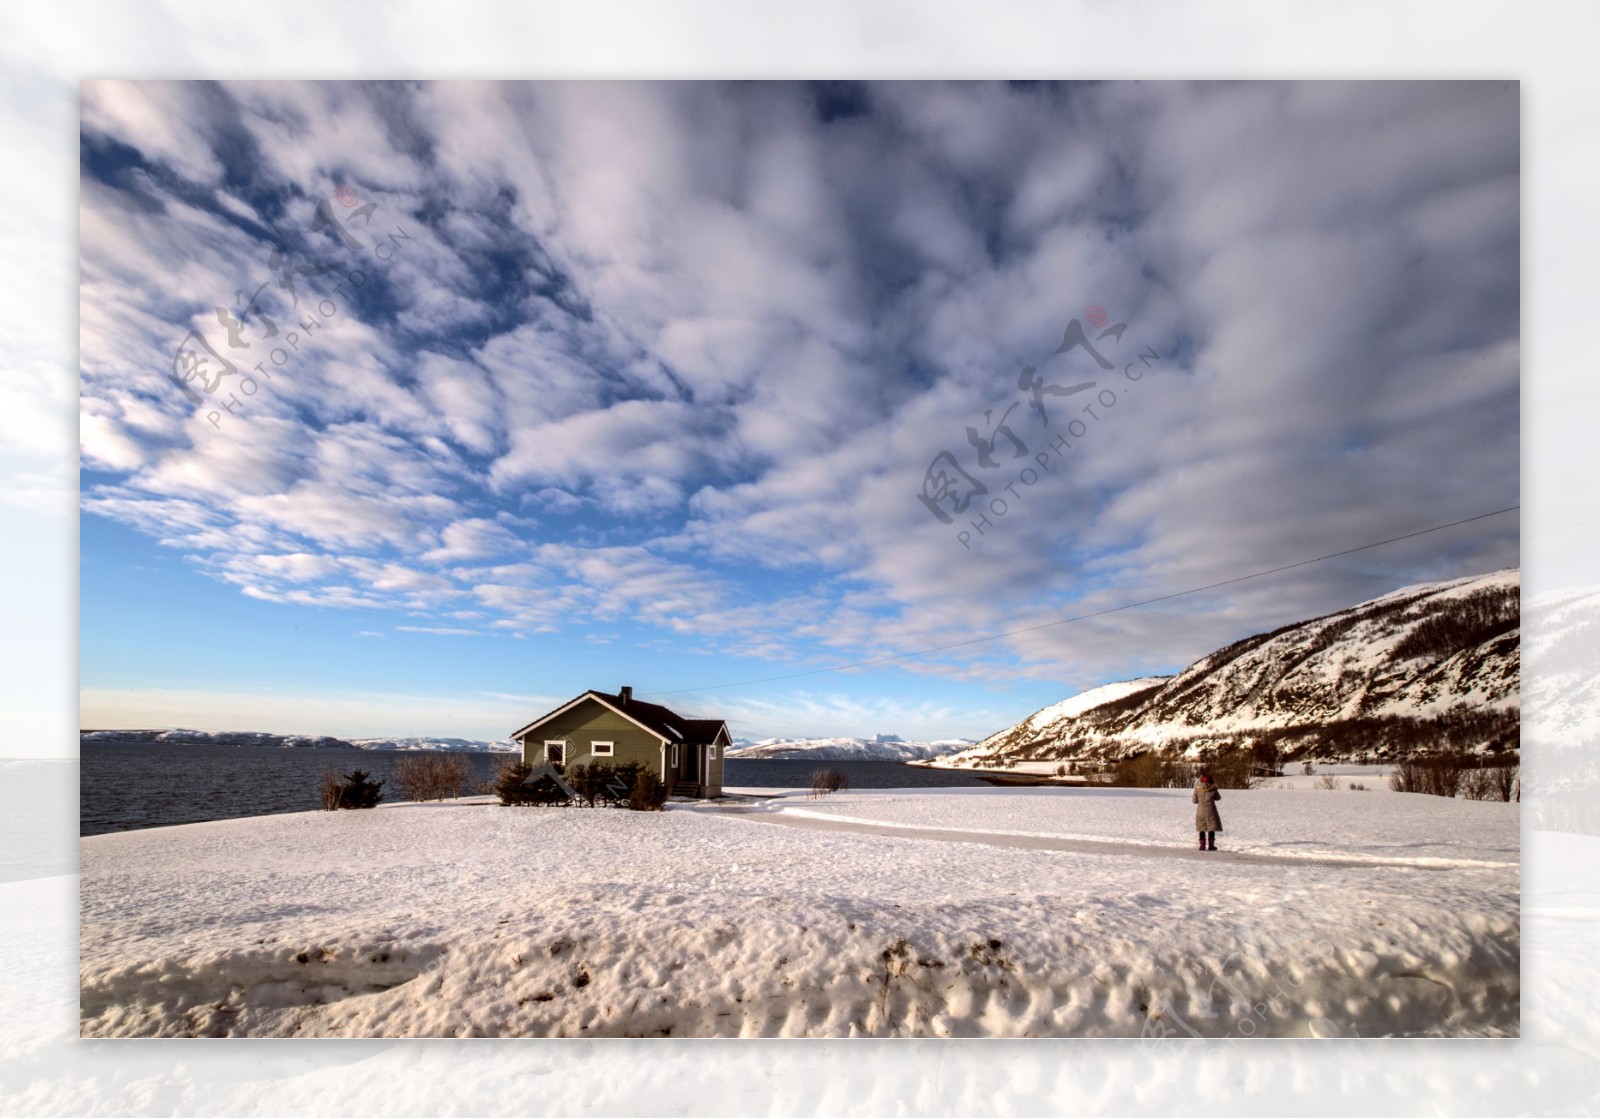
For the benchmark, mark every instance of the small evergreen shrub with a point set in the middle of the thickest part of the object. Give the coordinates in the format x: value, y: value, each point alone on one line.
x: 354, y: 790
x: 510, y: 783
x: 647, y: 793
x: 588, y: 781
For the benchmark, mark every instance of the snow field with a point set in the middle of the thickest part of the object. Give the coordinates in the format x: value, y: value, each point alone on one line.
x: 467, y: 920
x: 1303, y: 822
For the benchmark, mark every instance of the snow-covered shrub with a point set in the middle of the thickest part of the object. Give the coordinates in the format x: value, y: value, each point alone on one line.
x: 432, y: 776
x: 353, y: 790
x: 648, y: 793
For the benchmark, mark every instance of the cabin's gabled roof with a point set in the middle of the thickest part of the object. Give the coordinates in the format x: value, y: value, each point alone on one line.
x: 660, y: 721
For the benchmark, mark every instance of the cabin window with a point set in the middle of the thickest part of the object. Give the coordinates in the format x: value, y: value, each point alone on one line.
x: 711, y: 753
x: 602, y: 749
x: 555, y: 752
x: 674, y: 757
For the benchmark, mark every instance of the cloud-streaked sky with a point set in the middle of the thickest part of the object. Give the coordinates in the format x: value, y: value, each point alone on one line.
x: 640, y: 383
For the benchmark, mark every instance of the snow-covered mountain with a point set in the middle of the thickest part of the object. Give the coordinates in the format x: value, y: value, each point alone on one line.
x: 882, y: 748
x: 1427, y: 663
x: 297, y: 741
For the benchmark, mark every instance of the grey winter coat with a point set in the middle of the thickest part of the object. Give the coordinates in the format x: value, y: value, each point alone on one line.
x: 1205, y: 816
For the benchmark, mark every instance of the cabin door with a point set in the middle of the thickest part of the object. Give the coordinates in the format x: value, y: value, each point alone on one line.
x: 691, y: 764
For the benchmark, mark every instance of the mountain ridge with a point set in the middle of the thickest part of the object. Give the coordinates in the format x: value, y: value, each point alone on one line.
x: 1433, y: 659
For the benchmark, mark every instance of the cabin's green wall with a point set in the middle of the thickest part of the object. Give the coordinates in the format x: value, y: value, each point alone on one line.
x: 588, y: 722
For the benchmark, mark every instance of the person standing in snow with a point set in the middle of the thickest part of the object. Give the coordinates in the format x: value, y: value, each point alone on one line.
x: 1206, y: 820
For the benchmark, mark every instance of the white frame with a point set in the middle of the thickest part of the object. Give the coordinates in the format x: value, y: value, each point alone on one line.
x: 603, y: 749
x: 675, y: 755
x: 711, y: 753
x: 561, y: 742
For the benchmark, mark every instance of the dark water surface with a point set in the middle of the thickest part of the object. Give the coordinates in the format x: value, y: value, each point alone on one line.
x: 127, y: 785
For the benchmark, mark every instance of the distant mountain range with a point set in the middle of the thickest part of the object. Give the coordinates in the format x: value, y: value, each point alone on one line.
x: 1423, y: 666
x: 297, y: 741
x: 882, y: 748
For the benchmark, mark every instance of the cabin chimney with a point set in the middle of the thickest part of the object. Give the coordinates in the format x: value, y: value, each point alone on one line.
x: 625, y: 694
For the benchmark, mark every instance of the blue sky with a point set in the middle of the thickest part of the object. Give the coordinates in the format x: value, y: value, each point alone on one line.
x: 608, y: 384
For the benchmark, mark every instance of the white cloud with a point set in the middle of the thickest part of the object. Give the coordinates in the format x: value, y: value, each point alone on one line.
x: 716, y: 335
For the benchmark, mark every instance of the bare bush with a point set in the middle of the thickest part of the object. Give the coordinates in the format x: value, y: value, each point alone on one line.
x: 499, y: 779
x: 1405, y: 777
x: 328, y: 790
x: 432, y: 776
x: 1327, y: 781
x: 1447, y: 773
x: 1444, y: 773
x: 1146, y: 771
x: 1231, y: 769
x: 1475, y: 784
x: 825, y: 781
x: 1356, y: 787
x: 1507, y: 782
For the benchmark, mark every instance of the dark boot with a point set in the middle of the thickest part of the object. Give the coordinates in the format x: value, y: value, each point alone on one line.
x: 1202, y: 841
x: 1213, y: 838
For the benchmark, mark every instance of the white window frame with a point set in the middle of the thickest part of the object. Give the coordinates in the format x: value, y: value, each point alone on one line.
x: 711, y: 753
x: 562, y: 743
x: 603, y: 749
x: 675, y: 755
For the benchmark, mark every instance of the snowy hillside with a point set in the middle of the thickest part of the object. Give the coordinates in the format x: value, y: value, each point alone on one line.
x: 1419, y: 664
x: 296, y: 741
x: 883, y: 748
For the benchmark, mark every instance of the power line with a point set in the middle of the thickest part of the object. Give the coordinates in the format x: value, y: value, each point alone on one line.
x: 1563, y: 528
x: 1097, y: 613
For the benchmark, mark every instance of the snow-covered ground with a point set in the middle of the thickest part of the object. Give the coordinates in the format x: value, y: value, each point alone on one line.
x: 1317, y: 824
x: 1348, y: 915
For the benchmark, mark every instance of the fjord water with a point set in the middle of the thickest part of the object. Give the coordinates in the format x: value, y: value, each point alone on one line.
x: 126, y: 785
